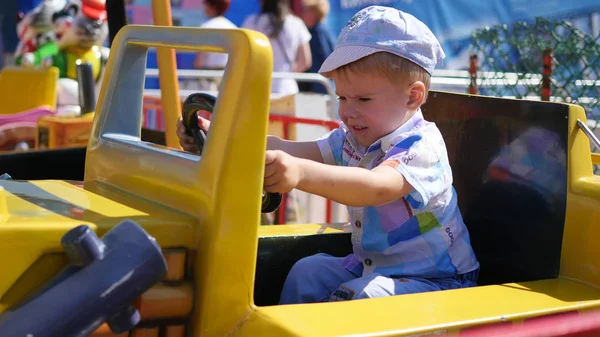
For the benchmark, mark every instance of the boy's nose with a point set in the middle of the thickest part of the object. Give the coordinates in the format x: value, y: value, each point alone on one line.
x: 350, y: 112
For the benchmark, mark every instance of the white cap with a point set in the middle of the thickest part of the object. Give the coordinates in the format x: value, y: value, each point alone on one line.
x: 384, y: 29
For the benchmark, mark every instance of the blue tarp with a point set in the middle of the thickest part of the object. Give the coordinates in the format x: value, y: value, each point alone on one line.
x: 453, y: 21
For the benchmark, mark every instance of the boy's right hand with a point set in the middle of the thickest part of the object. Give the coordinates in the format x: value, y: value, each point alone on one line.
x: 187, y: 142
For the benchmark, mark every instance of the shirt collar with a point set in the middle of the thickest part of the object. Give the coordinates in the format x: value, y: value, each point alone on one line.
x: 387, y: 141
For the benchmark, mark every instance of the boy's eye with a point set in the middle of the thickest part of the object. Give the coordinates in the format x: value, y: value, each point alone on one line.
x: 364, y: 99
x: 341, y: 98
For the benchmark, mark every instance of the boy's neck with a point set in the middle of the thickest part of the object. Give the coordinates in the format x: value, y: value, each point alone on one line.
x: 407, y: 117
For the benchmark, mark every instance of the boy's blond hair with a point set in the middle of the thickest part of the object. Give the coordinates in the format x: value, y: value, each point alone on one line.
x: 397, y: 69
x: 320, y: 6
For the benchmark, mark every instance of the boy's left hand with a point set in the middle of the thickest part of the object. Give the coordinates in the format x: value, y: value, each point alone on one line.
x: 282, y: 172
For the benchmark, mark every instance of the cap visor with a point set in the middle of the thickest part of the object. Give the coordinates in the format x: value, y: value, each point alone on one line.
x: 345, y: 55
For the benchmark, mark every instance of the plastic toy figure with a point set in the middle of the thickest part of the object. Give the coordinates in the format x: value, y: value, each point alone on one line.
x: 62, y: 36
x: 36, y: 33
x: 82, y: 28
x: 78, y: 30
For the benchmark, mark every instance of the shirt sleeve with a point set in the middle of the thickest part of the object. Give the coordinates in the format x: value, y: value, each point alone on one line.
x: 417, y: 160
x: 207, y: 24
x: 331, y: 146
x: 296, y: 31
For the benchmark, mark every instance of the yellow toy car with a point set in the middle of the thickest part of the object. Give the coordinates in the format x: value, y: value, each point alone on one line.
x: 522, y: 171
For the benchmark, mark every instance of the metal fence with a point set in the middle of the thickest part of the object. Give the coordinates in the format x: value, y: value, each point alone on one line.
x: 544, y: 59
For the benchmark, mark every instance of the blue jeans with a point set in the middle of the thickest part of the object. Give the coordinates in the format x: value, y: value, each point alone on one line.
x: 322, y: 278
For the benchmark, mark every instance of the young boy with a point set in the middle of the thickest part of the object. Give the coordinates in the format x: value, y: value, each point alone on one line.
x: 385, y: 162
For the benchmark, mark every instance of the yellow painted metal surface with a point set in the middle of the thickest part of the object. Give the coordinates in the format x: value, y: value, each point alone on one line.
x: 41, y: 270
x: 404, y: 315
x: 302, y: 229
x: 210, y: 205
x: 596, y: 158
x: 580, y: 258
x: 217, y: 190
x: 38, y: 213
x: 22, y: 89
x: 167, y: 75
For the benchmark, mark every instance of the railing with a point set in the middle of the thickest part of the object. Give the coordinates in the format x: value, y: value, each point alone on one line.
x: 301, y: 77
x: 589, y: 133
x: 442, y: 79
x: 288, y: 121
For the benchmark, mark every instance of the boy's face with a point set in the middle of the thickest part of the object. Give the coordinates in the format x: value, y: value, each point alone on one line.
x: 371, y: 105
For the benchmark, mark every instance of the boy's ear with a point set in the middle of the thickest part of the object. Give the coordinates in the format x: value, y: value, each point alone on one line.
x: 416, y: 95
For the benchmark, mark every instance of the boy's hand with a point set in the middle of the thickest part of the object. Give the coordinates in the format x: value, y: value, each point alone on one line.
x: 282, y: 172
x: 187, y: 142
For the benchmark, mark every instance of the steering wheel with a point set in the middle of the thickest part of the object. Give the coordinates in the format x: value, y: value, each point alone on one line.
x: 202, y: 101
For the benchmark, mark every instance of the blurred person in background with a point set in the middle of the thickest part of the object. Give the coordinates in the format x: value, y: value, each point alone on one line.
x: 322, y: 43
x: 214, y: 10
x: 289, y: 39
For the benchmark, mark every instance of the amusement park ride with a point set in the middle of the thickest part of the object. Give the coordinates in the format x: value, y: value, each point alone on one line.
x: 130, y: 238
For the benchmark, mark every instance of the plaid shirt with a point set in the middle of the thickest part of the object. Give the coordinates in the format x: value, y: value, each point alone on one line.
x: 422, y: 234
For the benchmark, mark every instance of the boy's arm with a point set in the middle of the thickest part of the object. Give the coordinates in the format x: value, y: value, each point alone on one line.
x: 353, y: 186
x: 412, y: 167
x: 305, y: 150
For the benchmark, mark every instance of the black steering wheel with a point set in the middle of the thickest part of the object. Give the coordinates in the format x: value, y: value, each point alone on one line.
x: 202, y: 101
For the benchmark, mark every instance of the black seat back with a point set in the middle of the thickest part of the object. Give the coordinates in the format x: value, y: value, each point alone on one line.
x: 509, y: 162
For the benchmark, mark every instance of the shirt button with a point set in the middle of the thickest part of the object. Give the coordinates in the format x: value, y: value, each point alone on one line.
x: 368, y: 262
x: 358, y: 224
